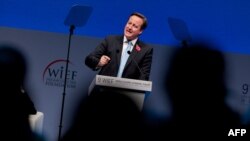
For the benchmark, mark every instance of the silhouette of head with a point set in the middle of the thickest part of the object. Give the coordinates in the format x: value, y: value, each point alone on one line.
x: 196, y: 74
x: 14, y: 115
x: 196, y: 87
x: 13, y: 66
x: 107, y: 115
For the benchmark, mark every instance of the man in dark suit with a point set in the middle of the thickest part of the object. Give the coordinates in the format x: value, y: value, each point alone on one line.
x: 124, y: 55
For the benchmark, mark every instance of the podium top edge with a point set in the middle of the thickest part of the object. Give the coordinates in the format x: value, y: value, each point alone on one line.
x: 121, y: 78
x: 124, y: 83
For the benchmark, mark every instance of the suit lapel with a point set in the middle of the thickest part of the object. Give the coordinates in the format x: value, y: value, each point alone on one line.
x: 119, y: 51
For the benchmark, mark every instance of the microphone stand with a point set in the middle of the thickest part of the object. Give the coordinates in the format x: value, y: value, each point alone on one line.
x: 129, y: 52
x: 71, y: 30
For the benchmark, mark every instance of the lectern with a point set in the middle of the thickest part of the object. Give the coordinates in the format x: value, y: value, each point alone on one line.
x: 133, y: 88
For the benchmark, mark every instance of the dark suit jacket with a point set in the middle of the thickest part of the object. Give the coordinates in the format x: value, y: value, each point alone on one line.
x: 138, y: 65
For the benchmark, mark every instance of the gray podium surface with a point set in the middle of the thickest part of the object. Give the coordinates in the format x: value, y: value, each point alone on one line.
x: 135, y: 89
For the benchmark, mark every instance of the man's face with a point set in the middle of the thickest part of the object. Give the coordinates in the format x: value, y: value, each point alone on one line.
x: 133, y: 27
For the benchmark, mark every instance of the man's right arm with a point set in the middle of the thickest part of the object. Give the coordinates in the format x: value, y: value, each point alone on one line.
x: 95, y: 59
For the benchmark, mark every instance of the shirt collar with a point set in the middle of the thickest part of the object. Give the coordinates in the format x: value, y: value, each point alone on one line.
x: 133, y: 41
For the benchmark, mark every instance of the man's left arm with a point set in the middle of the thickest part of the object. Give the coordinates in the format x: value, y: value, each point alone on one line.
x: 146, y: 65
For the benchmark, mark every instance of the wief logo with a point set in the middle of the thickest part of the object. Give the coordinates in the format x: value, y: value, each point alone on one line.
x: 54, y: 74
x: 237, y: 132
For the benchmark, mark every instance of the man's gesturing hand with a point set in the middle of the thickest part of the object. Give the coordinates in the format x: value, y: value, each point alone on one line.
x: 103, y: 61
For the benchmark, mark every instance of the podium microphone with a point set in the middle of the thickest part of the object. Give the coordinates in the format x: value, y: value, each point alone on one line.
x: 129, y: 52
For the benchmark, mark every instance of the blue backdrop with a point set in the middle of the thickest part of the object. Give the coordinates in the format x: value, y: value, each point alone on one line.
x: 224, y: 21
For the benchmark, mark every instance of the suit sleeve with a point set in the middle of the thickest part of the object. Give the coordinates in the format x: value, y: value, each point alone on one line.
x: 93, y: 58
x: 146, y: 65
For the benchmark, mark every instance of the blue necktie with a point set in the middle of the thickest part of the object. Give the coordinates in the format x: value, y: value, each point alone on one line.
x: 124, y: 59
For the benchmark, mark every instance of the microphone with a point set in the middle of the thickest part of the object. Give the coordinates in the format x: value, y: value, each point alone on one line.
x: 129, y: 52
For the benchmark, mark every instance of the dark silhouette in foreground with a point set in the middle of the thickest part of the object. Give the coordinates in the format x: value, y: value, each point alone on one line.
x: 196, y: 86
x: 15, y: 105
x: 107, y: 116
